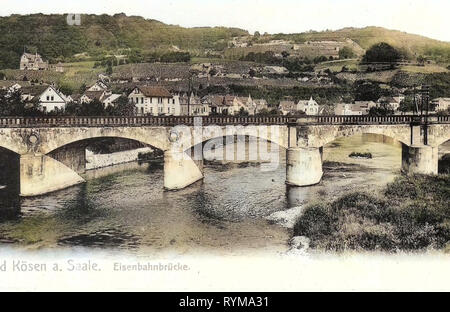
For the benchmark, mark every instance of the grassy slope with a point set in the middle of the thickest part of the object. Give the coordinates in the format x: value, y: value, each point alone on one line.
x: 368, y: 36
x: 74, y: 76
x: 411, y: 213
x: 97, y: 34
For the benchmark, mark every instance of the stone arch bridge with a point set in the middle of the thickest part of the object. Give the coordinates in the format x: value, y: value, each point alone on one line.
x: 33, y: 139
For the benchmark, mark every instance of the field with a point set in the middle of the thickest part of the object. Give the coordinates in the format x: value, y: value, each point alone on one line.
x: 73, y: 77
x: 427, y: 69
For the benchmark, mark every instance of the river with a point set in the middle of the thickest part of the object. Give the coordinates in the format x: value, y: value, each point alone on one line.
x: 125, y: 207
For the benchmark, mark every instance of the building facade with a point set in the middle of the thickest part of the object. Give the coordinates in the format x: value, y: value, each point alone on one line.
x: 154, y: 101
x: 30, y: 61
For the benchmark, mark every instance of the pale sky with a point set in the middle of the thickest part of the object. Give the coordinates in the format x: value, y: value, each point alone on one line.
x: 424, y: 17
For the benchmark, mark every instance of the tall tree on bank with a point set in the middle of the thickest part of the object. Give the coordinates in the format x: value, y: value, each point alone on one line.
x: 382, y: 52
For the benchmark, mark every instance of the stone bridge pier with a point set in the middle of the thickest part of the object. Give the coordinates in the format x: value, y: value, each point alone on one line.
x: 40, y: 174
x: 35, y: 140
x: 420, y: 145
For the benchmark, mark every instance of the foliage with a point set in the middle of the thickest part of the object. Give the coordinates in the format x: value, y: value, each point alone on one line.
x: 407, y: 105
x: 381, y: 111
x: 412, y: 213
x: 94, y: 108
x: 346, y: 53
x: 360, y: 155
x: 122, y: 107
x: 55, y: 40
x: 242, y: 112
x: 367, y: 91
x: 382, y: 52
x: 12, y: 105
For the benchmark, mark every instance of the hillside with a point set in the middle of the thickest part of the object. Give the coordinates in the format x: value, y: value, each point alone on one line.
x: 100, y: 34
x: 103, y: 35
x: 414, y: 45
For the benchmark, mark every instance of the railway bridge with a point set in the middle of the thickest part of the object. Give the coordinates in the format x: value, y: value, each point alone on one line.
x: 34, y: 139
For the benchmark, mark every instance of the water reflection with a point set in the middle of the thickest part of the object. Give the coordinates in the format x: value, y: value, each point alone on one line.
x: 126, y: 207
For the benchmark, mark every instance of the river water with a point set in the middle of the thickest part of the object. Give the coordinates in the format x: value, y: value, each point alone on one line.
x: 125, y: 207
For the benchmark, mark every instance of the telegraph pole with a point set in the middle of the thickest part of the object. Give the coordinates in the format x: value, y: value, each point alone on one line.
x: 425, y: 100
x: 189, y: 96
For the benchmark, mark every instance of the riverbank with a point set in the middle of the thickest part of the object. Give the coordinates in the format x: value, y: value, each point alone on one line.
x: 411, y: 213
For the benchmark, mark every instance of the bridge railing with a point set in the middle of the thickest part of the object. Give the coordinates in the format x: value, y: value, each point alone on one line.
x: 19, y: 122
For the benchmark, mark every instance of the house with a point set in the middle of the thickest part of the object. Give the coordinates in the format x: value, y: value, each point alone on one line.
x: 392, y: 102
x: 440, y: 104
x: 151, y: 100
x: 310, y: 107
x: 98, y: 86
x: 59, y: 67
x: 357, y: 108
x: 343, y: 109
x: 192, y: 105
x: 90, y: 96
x: 47, y: 97
x: 260, y: 104
x: 111, y: 99
x: 30, y: 61
x: 287, y: 107
x: 363, y: 107
x: 221, y: 104
x: 13, y: 86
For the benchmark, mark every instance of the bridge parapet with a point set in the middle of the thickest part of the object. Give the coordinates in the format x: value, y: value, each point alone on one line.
x: 116, y: 121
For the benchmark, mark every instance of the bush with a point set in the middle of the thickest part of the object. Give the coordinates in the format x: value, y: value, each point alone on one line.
x: 414, y: 214
x: 382, y: 52
x: 362, y: 155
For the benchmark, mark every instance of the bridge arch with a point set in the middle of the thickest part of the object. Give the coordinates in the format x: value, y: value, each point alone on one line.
x: 152, y: 136
x: 187, y: 138
x: 319, y: 136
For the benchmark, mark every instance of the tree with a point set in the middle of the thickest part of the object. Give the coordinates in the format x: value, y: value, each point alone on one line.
x: 242, y: 112
x: 122, y: 107
x: 380, y: 111
x: 382, y: 52
x: 346, y: 53
x: 65, y: 89
x: 421, y: 60
x: 11, y: 104
x: 367, y: 91
x: 407, y: 105
x: 109, y: 70
x: 83, y: 88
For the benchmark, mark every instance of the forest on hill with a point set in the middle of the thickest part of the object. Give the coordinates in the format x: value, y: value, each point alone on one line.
x: 136, y: 37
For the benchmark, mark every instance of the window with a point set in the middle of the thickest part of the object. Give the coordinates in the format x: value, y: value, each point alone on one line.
x: 52, y: 98
x: 142, y: 110
x: 142, y: 100
x: 48, y: 98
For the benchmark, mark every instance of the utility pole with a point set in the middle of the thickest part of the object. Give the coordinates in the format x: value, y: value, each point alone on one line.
x: 189, y: 96
x: 425, y: 100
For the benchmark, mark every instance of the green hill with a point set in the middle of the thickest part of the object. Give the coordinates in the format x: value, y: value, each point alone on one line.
x: 99, y: 34
x: 102, y: 35
x: 413, y: 45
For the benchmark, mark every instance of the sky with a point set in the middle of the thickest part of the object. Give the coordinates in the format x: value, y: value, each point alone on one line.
x: 424, y: 17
